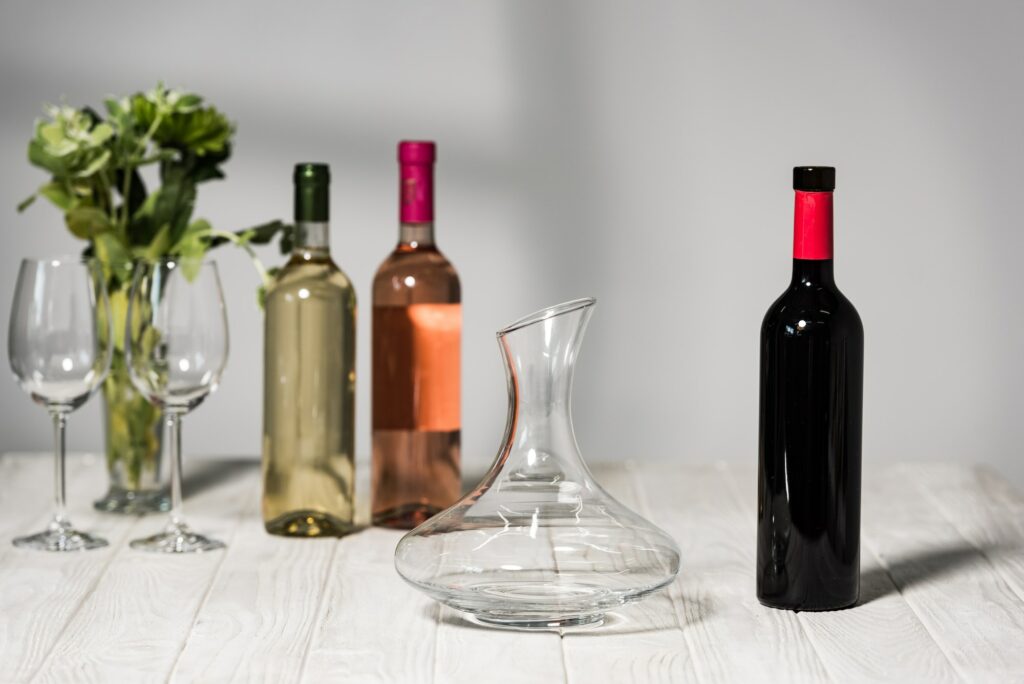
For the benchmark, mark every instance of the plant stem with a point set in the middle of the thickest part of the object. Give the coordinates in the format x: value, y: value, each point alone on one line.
x: 130, y: 166
x: 257, y: 264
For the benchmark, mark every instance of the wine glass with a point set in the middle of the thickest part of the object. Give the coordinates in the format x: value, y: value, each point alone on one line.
x: 59, y: 349
x: 176, y: 345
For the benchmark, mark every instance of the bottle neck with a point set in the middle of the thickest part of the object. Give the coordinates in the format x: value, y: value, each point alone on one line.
x: 312, y: 238
x: 812, y: 273
x: 812, y: 226
x: 416, y: 235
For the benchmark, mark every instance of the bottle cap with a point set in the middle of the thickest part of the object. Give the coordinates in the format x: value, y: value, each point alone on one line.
x: 417, y: 152
x: 814, y: 178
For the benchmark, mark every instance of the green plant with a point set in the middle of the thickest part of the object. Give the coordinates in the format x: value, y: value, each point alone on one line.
x: 94, y: 164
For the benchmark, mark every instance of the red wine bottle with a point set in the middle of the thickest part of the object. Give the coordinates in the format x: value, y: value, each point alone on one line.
x: 809, y: 461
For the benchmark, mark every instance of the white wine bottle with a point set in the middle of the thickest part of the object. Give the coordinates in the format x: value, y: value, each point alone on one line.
x: 309, y: 379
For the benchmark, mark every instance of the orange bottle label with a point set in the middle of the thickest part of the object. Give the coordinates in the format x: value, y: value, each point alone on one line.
x: 416, y: 367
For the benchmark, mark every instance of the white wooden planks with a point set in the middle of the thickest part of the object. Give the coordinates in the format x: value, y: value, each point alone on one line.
x: 968, y: 608
x: 41, y: 592
x: 132, y: 625
x: 732, y: 636
x: 881, y: 639
x: 943, y: 594
x: 374, y: 627
x: 642, y: 642
x: 260, y: 613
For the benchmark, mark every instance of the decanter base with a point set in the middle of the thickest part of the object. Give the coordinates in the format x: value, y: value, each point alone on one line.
x: 580, y: 622
x: 541, y: 601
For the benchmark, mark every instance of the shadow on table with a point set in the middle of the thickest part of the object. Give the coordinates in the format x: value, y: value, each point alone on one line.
x: 907, y: 571
x: 202, y: 475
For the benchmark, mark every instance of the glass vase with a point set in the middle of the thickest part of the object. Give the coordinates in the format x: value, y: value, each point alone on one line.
x: 133, y: 428
x: 538, y: 544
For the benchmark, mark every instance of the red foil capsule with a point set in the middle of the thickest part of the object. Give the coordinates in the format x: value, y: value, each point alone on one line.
x: 812, y: 225
x: 416, y: 196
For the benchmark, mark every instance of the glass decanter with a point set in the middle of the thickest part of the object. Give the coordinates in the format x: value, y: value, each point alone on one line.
x: 538, y: 544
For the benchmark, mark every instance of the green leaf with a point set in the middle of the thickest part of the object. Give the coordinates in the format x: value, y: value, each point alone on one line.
x: 261, y: 293
x: 87, y: 222
x: 95, y: 165
x: 38, y: 156
x: 136, y: 191
x: 195, y: 241
x: 159, y: 245
x: 184, y: 125
x: 52, y: 135
x: 56, y: 193
x: 257, y: 235
x: 287, y: 243
x: 188, y: 102
x: 174, y: 206
x: 100, y: 134
x: 27, y: 202
x: 114, y: 256
x: 115, y: 108
x: 167, y: 208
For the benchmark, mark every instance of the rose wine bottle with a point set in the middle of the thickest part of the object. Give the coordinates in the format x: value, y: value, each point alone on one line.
x: 309, y: 379
x: 417, y: 328
x: 809, y: 470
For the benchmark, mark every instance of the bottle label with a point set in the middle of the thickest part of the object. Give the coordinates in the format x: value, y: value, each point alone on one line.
x: 416, y: 364
x: 416, y: 196
x: 812, y: 225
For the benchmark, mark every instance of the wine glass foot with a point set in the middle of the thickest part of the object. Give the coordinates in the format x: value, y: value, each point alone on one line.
x: 60, y: 537
x: 177, y: 539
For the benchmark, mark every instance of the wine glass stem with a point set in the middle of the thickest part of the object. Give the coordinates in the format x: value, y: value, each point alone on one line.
x: 60, y: 420
x: 174, y: 427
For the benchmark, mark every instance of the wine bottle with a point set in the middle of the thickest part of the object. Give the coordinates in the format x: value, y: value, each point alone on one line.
x: 309, y: 378
x: 417, y: 328
x: 809, y: 470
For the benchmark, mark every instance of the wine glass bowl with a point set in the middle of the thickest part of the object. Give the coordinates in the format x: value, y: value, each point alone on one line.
x: 178, y: 334
x: 59, y: 341
x: 176, y: 344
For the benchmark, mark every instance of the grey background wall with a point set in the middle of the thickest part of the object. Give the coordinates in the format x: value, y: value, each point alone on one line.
x: 638, y: 152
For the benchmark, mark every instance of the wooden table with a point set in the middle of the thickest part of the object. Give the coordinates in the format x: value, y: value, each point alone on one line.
x: 943, y: 593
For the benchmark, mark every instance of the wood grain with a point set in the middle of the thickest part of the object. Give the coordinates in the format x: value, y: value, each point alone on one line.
x: 967, y: 607
x: 732, y: 636
x: 42, y: 591
x: 373, y: 626
x: 260, y: 613
x: 642, y: 641
x: 881, y: 639
x: 467, y: 652
x: 133, y: 623
x: 983, y: 508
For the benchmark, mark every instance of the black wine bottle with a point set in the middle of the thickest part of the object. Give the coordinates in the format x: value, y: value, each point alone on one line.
x: 809, y: 461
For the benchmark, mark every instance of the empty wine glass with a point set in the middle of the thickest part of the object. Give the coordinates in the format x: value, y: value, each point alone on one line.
x: 59, y: 349
x: 176, y: 345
